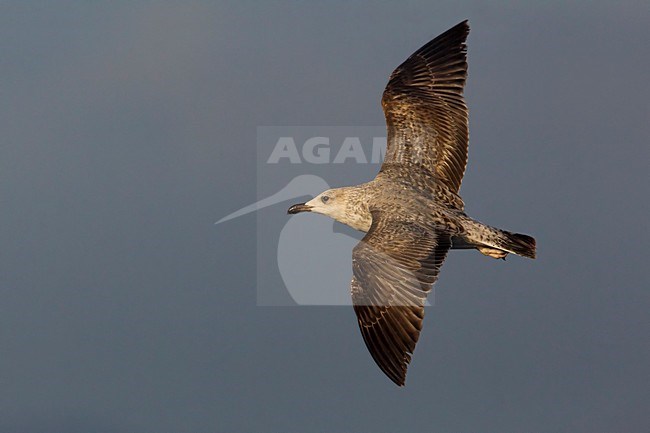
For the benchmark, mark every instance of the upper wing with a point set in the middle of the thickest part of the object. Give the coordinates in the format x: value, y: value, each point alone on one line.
x: 394, y: 267
x: 425, y: 111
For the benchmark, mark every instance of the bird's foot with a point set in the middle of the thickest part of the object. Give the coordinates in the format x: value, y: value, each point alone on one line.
x: 493, y: 252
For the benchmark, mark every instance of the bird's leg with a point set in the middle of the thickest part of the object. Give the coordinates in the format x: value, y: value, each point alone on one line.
x: 493, y: 252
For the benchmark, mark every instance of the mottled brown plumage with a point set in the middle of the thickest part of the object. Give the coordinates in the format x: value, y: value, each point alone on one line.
x: 411, y: 212
x: 426, y: 115
x: 389, y: 287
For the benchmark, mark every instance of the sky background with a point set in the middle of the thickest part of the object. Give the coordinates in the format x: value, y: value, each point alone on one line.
x: 128, y: 128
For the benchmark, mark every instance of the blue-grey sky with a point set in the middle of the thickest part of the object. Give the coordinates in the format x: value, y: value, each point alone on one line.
x: 128, y: 128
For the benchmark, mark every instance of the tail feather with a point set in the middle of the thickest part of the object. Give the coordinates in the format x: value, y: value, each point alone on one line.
x: 518, y: 243
x: 486, y: 238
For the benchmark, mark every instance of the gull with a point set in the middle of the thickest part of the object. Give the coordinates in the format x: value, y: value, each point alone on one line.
x: 411, y: 211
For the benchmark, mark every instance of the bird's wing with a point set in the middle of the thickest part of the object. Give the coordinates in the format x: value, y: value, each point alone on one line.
x: 426, y: 115
x: 394, y: 266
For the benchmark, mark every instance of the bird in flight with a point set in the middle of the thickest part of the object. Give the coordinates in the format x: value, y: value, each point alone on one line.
x: 411, y: 211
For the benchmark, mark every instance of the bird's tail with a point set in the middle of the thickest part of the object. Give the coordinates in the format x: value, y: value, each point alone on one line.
x: 522, y: 245
x: 481, y: 235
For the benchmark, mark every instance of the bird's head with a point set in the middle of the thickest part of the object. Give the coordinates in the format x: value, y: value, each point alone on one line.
x: 332, y: 203
x: 345, y: 205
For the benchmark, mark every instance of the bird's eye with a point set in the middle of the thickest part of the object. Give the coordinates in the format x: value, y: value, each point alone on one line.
x: 324, y: 199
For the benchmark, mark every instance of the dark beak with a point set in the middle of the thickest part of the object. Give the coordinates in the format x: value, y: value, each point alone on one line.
x: 297, y: 208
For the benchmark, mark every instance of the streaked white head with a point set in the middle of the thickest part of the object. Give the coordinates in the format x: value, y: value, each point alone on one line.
x: 341, y: 204
x: 331, y: 203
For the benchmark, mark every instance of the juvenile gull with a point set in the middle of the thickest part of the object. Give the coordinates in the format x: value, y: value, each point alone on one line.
x: 411, y: 211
